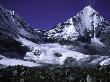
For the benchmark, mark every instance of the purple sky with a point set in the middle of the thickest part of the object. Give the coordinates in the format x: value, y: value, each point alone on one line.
x: 44, y: 14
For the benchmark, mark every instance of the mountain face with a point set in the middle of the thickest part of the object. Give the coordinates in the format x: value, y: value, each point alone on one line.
x: 87, y: 28
x: 86, y: 20
x: 83, y: 39
x: 12, y: 27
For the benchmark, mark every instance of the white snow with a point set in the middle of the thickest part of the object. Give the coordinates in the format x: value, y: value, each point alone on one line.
x: 14, y: 62
x: 12, y: 12
x: 47, y: 52
x: 89, y: 17
x: 67, y: 32
x: 86, y: 20
x: 99, y: 59
x: 71, y: 29
x: 97, y: 40
x: 105, y: 62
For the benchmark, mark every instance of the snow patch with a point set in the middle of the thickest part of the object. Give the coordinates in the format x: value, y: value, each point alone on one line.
x: 14, y: 62
x: 105, y: 62
x: 97, y: 40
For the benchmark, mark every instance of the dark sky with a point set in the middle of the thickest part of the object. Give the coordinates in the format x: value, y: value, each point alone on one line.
x: 44, y: 14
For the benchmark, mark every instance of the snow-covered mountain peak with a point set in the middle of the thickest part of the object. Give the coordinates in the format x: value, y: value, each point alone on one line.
x: 88, y: 16
x: 89, y: 10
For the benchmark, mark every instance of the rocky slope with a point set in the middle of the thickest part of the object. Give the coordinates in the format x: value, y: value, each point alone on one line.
x: 12, y: 26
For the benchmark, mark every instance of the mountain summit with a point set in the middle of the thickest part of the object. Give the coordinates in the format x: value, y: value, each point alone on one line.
x: 86, y: 29
x: 87, y: 19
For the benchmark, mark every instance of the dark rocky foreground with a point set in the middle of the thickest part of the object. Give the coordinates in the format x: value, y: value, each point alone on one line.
x: 57, y: 74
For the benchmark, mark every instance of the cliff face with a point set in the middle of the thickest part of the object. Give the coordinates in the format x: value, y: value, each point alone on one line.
x: 12, y: 26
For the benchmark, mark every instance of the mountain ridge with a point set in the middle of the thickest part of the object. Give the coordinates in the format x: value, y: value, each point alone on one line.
x: 82, y: 16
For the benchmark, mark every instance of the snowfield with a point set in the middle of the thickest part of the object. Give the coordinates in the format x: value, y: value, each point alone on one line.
x: 45, y: 53
x: 13, y: 62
